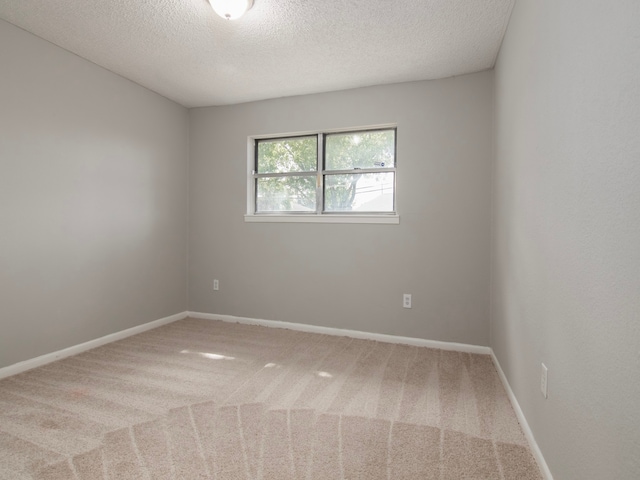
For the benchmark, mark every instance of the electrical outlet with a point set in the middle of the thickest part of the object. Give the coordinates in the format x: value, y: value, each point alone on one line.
x: 406, y: 300
x: 216, y: 285
x: 543, y: 380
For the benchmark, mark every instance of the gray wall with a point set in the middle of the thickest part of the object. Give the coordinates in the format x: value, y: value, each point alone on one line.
x: 566, y: 268
x: 93, y: 200
x: 353, y: 276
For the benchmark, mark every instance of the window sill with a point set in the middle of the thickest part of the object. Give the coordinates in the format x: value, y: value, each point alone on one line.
x: 293, y: 218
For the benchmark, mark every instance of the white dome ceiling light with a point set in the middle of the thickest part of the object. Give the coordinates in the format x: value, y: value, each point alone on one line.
x: 231, y: 9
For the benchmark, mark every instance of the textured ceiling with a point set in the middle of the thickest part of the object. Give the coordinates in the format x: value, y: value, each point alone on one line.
x: 184, y: 51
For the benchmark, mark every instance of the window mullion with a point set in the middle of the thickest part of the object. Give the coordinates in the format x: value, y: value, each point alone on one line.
x: 360, y: 171
x: 319, y: 176
x: 283, y: 174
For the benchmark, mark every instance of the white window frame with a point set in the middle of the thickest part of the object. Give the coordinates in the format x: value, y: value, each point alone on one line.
x: 318, y: 216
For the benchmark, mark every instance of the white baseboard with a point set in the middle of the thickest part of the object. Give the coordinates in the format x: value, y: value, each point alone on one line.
x: 83, y: 347
x: 544, y: 468
x: 380, y: 337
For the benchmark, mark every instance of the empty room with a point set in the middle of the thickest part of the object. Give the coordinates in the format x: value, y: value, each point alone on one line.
x: 289, y: 240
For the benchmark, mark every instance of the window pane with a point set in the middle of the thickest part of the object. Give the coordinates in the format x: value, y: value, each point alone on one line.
x: 345, y: 151
x: 286, y: 194
x: 364, y: 192
x: 283, y: 155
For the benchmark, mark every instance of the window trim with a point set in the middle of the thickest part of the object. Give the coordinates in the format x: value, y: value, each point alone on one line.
x: 319, y: 215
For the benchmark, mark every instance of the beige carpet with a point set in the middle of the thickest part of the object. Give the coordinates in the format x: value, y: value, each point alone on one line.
x: 199, y: 399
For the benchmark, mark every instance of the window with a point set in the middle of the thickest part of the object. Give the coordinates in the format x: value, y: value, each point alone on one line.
x: 345, y: 174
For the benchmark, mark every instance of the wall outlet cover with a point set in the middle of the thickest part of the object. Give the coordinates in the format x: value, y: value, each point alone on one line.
x: 406, y: 300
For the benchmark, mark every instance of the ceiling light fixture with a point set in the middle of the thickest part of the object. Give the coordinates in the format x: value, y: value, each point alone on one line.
x: 231, y: 9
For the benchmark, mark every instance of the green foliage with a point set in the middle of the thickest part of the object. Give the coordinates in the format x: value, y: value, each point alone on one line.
x: 296, y: 154
x: 287, y: 194
x: 346, y: 151
x: 293, y: 193
x: 343, y: 151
